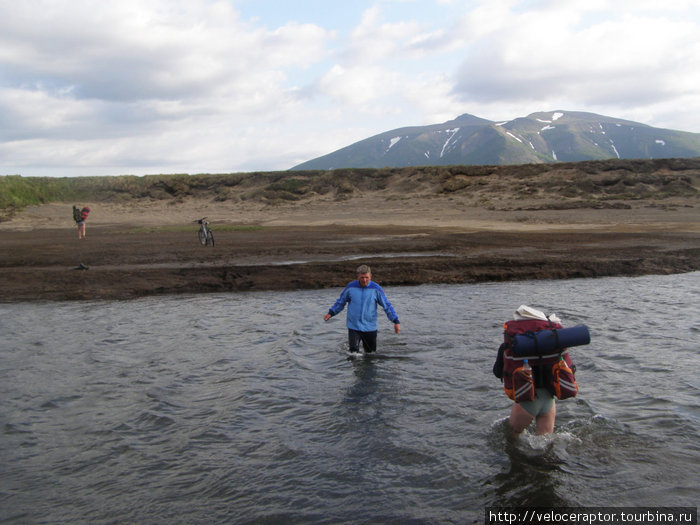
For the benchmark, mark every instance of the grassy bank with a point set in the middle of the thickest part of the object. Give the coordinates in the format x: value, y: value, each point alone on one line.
x: 573, y: 184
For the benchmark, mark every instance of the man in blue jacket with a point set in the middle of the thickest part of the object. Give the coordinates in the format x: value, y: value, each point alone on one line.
x: 362, y: 297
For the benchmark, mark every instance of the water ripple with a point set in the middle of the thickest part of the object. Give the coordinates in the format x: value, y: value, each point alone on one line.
x: 238, y: 408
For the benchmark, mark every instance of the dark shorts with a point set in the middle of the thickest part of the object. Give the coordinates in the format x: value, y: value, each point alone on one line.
x: 369, y: 340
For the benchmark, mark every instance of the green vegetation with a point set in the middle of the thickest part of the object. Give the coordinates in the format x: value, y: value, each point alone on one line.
x: 18, y: 192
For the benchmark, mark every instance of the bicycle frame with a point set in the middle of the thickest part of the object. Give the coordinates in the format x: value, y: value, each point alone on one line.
x: 205, y: 234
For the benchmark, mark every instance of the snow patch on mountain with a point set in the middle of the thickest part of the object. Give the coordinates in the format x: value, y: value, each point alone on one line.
x: 614, y: 149
x: 555, y: 116
x: 392, y: 143
x: 447, y: 142
x: 516, y: 138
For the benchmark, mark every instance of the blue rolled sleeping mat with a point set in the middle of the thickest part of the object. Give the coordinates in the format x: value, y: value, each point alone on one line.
x: 544, y: 341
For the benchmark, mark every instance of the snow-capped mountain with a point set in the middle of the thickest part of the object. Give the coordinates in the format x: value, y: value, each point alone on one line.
x: 565, y: 136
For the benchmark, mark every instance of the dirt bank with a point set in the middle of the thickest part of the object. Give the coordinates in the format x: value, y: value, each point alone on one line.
x: 284, y: 231
x: 126, y: 261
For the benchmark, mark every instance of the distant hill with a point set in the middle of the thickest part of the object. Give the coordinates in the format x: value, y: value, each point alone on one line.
x: 547, y: 137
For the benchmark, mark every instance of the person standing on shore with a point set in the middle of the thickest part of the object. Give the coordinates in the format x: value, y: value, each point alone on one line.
x: 80, y: 216
x: 362, y: 297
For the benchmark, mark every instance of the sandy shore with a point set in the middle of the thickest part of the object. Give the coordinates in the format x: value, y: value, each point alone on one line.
x: 133, y: 251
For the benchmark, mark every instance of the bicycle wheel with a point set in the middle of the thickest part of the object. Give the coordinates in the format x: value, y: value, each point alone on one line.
x: 210, y: 237
x: 202, y: 237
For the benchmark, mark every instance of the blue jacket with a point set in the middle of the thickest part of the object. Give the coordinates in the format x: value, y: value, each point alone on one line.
x: 362, y: 306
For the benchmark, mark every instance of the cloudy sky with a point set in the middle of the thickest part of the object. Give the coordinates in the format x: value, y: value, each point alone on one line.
x: 98, y: 87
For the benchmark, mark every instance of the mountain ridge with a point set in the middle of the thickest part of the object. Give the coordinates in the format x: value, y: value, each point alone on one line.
x: 541, y: 137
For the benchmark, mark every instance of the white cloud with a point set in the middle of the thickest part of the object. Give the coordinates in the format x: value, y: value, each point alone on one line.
x: 108, y: 75
x: 626, y: 60
x: 358, y: 86
x: 376, y: 40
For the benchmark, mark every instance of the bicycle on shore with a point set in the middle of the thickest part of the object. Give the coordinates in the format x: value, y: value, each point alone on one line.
x: 205, y: 234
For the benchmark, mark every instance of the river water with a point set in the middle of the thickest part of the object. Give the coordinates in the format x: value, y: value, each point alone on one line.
x: 244, y: 407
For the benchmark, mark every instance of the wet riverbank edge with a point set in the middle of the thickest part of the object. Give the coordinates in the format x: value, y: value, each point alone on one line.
x: 48, y: 265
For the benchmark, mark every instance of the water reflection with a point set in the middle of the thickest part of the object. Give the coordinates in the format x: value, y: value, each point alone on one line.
x: 365, y: 371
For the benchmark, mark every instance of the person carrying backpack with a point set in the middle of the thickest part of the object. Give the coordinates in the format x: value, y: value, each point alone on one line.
x: 535, y: 366
x: 79, y: 216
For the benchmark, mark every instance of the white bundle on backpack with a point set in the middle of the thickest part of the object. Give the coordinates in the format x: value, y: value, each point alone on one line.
x: 528, y: 312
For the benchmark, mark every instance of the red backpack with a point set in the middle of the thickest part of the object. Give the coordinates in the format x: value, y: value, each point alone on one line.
x: 554, y: 369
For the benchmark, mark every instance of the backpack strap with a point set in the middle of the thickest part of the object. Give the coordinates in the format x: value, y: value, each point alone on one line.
x: 498, y: 365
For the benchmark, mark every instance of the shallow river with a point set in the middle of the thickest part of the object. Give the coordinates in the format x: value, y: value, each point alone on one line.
x: 244, y: 407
